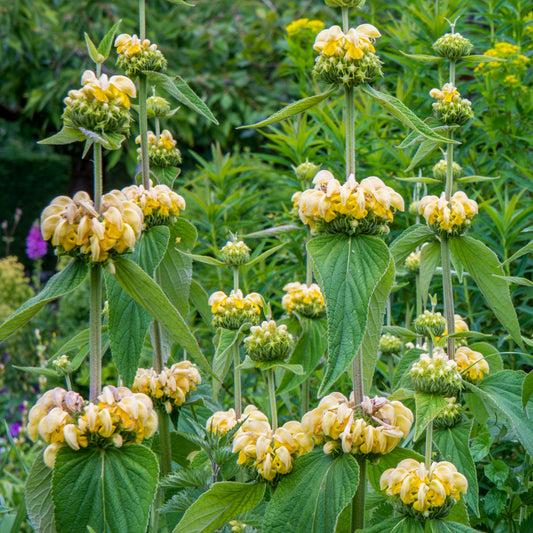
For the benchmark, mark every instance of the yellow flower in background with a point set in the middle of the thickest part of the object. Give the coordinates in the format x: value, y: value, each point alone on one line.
x: 304, y: 25
x: 471, y: 364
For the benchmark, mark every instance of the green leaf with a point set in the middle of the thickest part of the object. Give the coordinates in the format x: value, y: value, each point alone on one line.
x: 174, y: 272
x: 39, y: 371
x: 64, y: 282
x: 382, y: 527
x: 405, y: 364
x: 429, y: 260
x: 516, y: 280
x: 223, y: 359
x: 418, y: 179
x: 408, y: 525
x: 166, y: 175
x: 307, y: 352
x: 399, y: 110
x: 106, y: 44
x: 206, y: 259
x: 264, y: 255
x: 427, y: 146
x: 423, y: 57
x: 498, y: 472
x: 110, y: 490
x: 269, y: 232
x: 93, y: 52
x: 410, y: 239
x: 503, y: 393
x: 400, y: 332
x: 67, y: 135
x: 222, y: 502
x: 142, y: 288
x: 428, y: 406
x: 444, y: 526
x: 475, y: 179
x: 313, y: 495
x: 454, y: 446
x: 480, y: 446
x: 248, y: 364
x: 348, y: 270
x: 482, y: 59
x: 527, y: 389
x: 390, y: 460
x: 483, y: 265
x: 495, y: 501
x: 528, y: 248
x: 178, y: 88
x: 292, y: 109
x: 182, y: 3
x: 38, y: 493
x: 199, y: 299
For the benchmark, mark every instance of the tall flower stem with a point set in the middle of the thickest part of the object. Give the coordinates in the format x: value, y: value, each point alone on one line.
x: 447, y: 288
x: 143, y: 126
x: 349, y: 106
x: 429, y: 443
x: 236, y: 358
x: 142, y: 19
x: 358, y: 502
x: 308, y: 282
x: 272, y: 397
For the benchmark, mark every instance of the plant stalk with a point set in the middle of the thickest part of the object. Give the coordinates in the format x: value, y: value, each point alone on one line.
x: 429, y: 444
x: 95, y: 331
x: 305, y: 396
x: 98, y: 176
x: 142, y: 19
x: 447, y: 288
x: 143, y: 126
x: 237, y: 380
x: 272, y: 397
x: 308, y: 282
x: 164, y: 442
x: 358, y: 502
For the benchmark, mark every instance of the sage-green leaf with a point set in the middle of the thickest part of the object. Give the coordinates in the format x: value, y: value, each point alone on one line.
x: 423, y: 57
x: 528, y: 248
x: 418, y: 179
x: 382, y: 527
x: 174, y: 272
x: 503, y: 393
x: 64, y: 282
x: 141, y: 287
x: 399, y: 110
x: 483, y: 265
x: 106, y: 43
x: 445, y: 526
x: 292, y: 109
x: 221, y: 503
x: 206, y: 259
x: 454, y: 445
x: 67, y: 135
x: 177, y: 87
x: 410, y: 239
x: 109, y: 490
x: 39, y: 371
x: 427, y: 146
x: 517, y: 280
x: 482, y: 59
x: 408, y: 525
x: 428, y: 406
x: 199, y: 299
x: 264, y: 255
x: 429, y: 260
x: 400, y: 332
x: 348, y: 270
x: 476, y: 179
x: 38, y: 494
x: 224, y: 340
x: 165, y: 175
x: 93, y: 52
x: 307, y: 352
x: 313, y: 495
x: 527, y: 388
x: 269, y: 232
x: 182, y: 3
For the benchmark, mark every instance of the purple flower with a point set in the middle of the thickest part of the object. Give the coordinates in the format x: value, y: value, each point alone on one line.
x: 14, y: 430
x: 35, y: 244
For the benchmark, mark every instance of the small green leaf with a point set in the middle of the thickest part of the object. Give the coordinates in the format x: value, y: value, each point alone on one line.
x: 67, y: 135
x: 93, y: 52
x: 475, y: 179
x: 110, y: 490
x: 482, y: 59
x: 516, y: 280
x: 182, y: 3
x: 222, y: 502
x: 64, y: 282
x: 269, y: 232
x: 400, y: 332
x: 418, y: 179
x: 498, y: 472
x: 38, y: 493
x: 387, y: 525
x: 248, y: 364
x: 399, y: 110
x: 39, y: 371
x: 264, y: 255
x: 166, y: 175
x: 224, y: 341
x: 423, y: 57
x: 410, y: 239
x: 528, y: 248
x: 445, y: 526
x: 292, y: 109
x: 527, y: 389
x: 311, y: 498
x: 480, y: 446
x: 206, y: 259
x: 495, y: 501
x: 428, y: 406
x: 104, y: 48
x: 178, y: 88
x: 427, y: 146
x: 429, y: 260
x: 483, y: 265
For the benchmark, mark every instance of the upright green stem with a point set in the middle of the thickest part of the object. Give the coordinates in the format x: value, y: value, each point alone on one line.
x: 235, y: 278
x: 349, y: 106
x: 418, y: 294
x: 308, y: 282
x: 98, y: 176
x: 237, y: 380
x: 447, y: 288
x: 449, y: 168
x: 452, y: 71
x: 157, y: 357
x: 357, y: 377
x: 358, y: 502
x: 143, y: 126
x: 142, y: 19
x: 157, y: 128
x: 272, y: 397
x: 164, y: 431
x: 429, y: 443
x: 95, y: 331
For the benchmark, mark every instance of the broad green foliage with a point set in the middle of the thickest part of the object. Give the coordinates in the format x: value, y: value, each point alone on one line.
x: 319, y: 487
x: 428, y: 406
x: 39, y: 502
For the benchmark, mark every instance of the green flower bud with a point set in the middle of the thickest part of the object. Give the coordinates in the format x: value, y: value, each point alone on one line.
x: 348, y: 72
x: 268, y: 342
x: 235, y: 253
x: 450, y: 416
x: 436, y: 375
x: 430, y: 323
x: 345, y: 3
x: 147, y: 59
x: 452, y: 46
x: 413, y: 208
x: 62, y: 365
x: 389, y: 344
x: 158, y: 107
x: 412, y: 263
x: 449, y: 107
x: 439, y: 170
x: 306, y: 171
x: 433, y: 513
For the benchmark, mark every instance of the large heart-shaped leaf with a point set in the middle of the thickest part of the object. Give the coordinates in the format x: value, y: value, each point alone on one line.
x: 38, y: 493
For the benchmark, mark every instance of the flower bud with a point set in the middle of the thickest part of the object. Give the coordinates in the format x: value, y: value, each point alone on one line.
x: 304, y: 300
x: 62, y: 364
x: 305, y: 172
x: 452, y: 46
x: 268, y: 342
x: 235, y: 253
x: 436, y: 375
x: 430, y: 323
x: 135, y: 55
x: 412, y: 263
x: 450, y: 416
x: 390, y: 344
x: 158, y: 107
x: 449, y: 107
x: 439, y: 170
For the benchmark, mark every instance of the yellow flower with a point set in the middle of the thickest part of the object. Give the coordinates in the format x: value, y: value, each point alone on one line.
x: 445, y: 216
x: 305, y: 300
x: 329, y: 42
x: 301, y: 25
x: 232, y: 311
x: 360, y: 39
x: 470, y: 364
x: 105, y: 89
x: 130, y: 45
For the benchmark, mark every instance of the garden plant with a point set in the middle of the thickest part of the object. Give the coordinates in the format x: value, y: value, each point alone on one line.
x: 324, y: 329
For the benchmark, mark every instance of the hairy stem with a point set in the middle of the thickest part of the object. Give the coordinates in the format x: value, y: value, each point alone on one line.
x: 143, y: 126
x: 142, y: 19
x: 237, y: 380
x: 447, y: 288
x: 272, y: 397
x: 358, y: 502
x: 429, y: 443
x: 95, y: 331
x: 305, y: 396
x: 98, y: 176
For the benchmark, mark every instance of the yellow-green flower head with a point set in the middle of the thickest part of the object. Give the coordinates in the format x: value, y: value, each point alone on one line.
x: 352, y: 208
x: 430, y: 323
x: 235, y: 253
x: 158, y: 107
x: 304, y: 26
x: 375, y: 427
x: 159, y: 204
x: 236, y: 526
x: 101, y: 105
x: 348, y: 59
x: 516, y: 62
x: 439, y: 170
x: 162, y: 150
x: 472, y: 365
x: 412, y: 263
x: 235, y: 310
x: 304, y: 300
x: 450, y: 416
x: 389, y: 344
x: 345, y: 3
x: 171, y: 387
x: 421, y: 493
x: 62, y: 364
x: 136, y: 55
x: 268, y: 342
x: 448, y: 218
x: 269, y: 453
x: 76, y: 228
x: 436, y: 375
x: 452, y: 46
x: 305, y: 172
x: 450, y: 108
